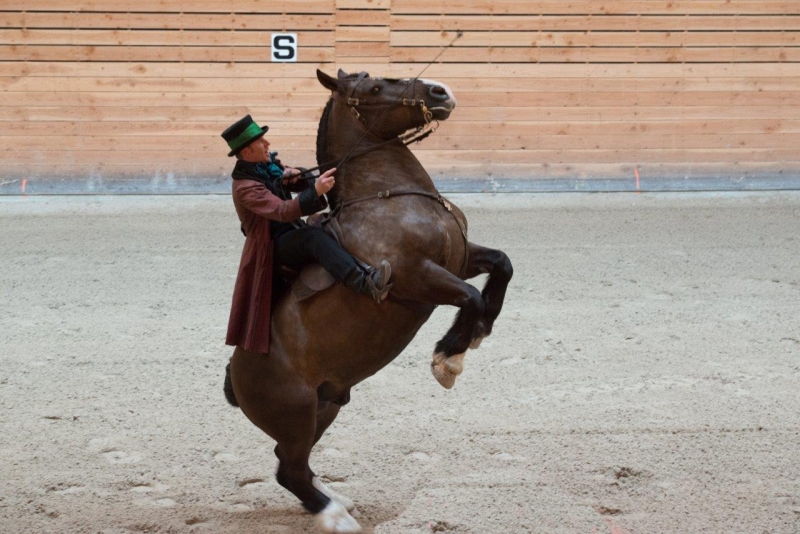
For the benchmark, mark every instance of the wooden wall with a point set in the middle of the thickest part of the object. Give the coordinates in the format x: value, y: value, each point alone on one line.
x: 546, y: 89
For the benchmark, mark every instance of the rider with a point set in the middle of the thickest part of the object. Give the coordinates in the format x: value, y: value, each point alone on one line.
x: 275, y: 234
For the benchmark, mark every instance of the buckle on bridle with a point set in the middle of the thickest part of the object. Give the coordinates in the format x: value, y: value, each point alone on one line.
x: 409, y: 101
x: 426, y: 113
x: 352, y: 101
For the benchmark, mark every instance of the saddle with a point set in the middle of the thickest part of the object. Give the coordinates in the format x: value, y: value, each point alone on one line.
x: 307, y: 282
x: 312, y: 278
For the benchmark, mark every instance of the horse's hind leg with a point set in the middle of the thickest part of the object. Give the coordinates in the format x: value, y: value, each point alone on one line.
x: 286, y: 409
x: 498, y: 266
x: 326, y: 413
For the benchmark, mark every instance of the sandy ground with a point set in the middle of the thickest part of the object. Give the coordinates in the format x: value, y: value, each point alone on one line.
x: 643, y: 376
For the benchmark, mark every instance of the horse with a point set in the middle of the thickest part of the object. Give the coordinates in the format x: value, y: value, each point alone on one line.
x: 384, y: 206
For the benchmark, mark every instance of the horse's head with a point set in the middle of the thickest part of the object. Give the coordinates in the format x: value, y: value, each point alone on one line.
x: 402, y: 103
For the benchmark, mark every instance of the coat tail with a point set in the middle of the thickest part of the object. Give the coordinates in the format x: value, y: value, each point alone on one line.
x: 227, y: 388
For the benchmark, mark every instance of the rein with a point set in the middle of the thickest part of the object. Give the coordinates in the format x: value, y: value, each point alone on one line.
x: 406, y: 138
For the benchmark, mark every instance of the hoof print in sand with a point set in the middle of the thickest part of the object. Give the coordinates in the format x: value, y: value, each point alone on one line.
x: 240, y: 507
x: 64, y: 489
x: 114, y: 456
x: 626, y: 477
x: 441, y: 526
x: 252, y: 483
x: 198, y: 523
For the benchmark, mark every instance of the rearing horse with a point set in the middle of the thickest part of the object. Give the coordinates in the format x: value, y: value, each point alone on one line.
x: 384, y: 205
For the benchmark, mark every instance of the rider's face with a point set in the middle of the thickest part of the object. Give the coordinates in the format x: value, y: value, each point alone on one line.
x: 257, y: 151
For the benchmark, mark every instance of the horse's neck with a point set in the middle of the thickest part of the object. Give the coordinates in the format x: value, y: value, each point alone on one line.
x: 391, y: 167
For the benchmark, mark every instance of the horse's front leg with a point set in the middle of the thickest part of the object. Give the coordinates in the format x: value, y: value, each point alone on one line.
x: 494, y: 262
x: 436, y: 285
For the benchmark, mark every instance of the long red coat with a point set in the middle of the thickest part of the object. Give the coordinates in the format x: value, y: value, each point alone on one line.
x: 249, y: 323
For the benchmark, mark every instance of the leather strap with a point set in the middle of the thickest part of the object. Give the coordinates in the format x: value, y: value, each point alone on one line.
x: 435, y: 196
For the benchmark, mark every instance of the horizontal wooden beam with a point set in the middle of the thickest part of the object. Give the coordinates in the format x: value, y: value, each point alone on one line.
x: 78, y: 20
x: 454, y: 130
x: 169, y: 6
x: 558, y: 115
x: 595, y: 7
x: 561, y: 22
x: 286, y: 85
x: 106, y: 69
x: 124, y: 53
x: 166, y: 38
x: 495, y: 100
x: 598, y: 39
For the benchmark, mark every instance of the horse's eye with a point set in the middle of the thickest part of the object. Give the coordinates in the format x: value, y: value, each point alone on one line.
x: 376, y: 90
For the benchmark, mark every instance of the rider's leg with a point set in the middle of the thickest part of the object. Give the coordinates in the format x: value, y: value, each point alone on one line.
x: 310, y: 244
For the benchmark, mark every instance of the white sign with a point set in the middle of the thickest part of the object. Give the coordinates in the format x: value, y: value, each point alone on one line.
x: 284, y: 47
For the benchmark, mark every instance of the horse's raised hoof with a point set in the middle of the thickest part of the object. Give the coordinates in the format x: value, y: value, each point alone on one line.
x: 445, y: 370
x: 325, y: 490
x: 334, y: 519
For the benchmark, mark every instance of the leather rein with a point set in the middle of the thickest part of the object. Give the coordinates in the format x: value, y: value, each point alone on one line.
x: 411, y: 136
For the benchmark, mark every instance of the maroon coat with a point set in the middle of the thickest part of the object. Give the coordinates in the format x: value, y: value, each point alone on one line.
x: 256, y: 205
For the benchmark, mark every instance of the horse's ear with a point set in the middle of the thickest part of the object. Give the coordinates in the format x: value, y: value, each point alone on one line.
x: 342, y: 74
x: 327, y: 81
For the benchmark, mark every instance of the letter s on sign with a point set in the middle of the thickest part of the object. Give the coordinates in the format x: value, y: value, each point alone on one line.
x: 284, y: 47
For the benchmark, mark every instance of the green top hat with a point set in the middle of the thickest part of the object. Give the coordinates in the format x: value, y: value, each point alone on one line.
x: 242, y: 133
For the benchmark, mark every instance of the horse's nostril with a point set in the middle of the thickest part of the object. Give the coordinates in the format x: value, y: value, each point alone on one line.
x: 439, y: 92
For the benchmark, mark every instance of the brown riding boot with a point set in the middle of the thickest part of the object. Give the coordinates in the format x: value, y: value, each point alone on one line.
x: 373, y: 282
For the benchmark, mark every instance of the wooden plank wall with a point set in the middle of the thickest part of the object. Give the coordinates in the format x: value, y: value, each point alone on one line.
x: 547, y: 88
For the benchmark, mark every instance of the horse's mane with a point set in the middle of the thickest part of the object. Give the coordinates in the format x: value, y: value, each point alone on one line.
x: 322, y: 136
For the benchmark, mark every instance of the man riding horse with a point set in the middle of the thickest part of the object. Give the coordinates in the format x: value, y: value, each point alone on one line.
x: 384, y: 205
x: 275, y: 234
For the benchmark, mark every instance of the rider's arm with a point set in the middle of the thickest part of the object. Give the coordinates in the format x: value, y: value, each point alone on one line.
x: 257, y: 198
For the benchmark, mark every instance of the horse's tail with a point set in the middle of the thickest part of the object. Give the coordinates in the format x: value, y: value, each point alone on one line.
x: 228, y: 387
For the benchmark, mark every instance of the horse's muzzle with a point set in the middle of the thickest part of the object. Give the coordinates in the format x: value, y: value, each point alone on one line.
x: 440, y: 99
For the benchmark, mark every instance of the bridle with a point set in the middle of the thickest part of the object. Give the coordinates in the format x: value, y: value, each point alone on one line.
x: 406, y: 138
x: 427, y: 114
x: 413, y: 135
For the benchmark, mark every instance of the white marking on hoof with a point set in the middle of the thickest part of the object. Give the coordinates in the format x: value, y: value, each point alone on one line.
x: 341, y: 499
x: 445, y: 370
x: 334, y: 519
x: 476, y: 342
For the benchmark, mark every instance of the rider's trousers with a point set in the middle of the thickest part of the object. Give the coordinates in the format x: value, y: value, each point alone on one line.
x: 310, y: 244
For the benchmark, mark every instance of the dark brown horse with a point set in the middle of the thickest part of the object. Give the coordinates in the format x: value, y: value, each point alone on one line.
x: 323, y: 346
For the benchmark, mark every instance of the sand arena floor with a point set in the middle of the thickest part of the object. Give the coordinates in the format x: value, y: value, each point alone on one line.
x: 644, y: 376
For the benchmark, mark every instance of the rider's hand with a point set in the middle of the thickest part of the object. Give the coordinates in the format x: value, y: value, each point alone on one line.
x: 290, y: 175
x: 325, y: 182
